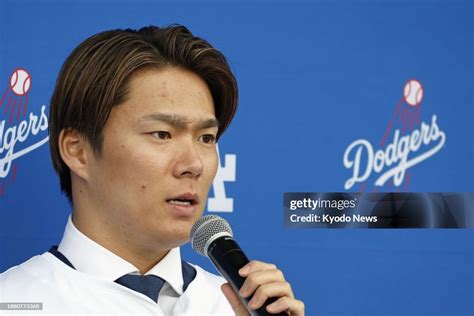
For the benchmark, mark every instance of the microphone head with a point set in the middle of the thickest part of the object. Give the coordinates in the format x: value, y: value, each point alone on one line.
x: 206, y: 229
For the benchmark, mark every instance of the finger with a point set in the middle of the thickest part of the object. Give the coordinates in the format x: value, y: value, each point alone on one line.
x: 293, y: 306
x: 254, y: 266
x: 275, y: 289
x: 234, y: 301
x: 255, y: 279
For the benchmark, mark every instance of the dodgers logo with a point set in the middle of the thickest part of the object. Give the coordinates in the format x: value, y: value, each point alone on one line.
x: 411, y: 142
x: 21, y: 131
x: 225, y: 173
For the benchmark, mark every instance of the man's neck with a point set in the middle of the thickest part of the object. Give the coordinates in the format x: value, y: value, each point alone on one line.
x: 142, y: 259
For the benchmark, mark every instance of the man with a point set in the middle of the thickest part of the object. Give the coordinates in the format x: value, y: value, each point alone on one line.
x: 134, y: 119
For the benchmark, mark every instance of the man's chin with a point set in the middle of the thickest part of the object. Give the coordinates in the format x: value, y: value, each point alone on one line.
x: 173, y: 239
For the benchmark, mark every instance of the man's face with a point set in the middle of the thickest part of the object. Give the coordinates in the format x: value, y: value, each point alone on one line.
x: 158, y: 159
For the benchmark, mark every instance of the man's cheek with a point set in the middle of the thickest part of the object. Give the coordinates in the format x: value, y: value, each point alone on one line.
x: 214, y: 165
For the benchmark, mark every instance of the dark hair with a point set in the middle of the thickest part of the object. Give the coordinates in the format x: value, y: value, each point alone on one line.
x: 95, y: 78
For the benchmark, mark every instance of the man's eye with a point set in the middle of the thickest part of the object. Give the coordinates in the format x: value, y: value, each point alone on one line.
x: 208, y: 139
x: 162, y: 135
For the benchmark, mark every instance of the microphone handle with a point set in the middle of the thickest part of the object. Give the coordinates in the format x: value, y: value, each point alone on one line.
x: 228, y: 258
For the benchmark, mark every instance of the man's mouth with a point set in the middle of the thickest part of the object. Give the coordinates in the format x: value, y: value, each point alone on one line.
x: 180, y: 202
x: 184, y: 199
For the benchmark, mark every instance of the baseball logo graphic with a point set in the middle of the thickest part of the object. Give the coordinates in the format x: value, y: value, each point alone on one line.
x: 20, y: 81
x: 413, y: 92
x: 21, y: 131
x: 406, y: 142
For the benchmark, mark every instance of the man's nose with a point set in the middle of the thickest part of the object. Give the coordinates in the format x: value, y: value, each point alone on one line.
x: 189, y: 161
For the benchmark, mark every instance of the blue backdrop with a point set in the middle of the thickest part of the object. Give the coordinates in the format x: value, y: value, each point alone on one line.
x: 313, y: 77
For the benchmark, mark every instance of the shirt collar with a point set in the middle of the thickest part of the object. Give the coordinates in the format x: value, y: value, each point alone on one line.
x: 89, y: 257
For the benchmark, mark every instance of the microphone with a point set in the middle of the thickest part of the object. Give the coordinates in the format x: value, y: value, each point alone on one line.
x: 212, y: 237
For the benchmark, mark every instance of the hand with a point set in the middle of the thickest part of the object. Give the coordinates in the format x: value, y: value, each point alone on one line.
x: 263, y: 280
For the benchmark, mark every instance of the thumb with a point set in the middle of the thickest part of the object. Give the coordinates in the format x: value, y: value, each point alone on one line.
x: 234, y: 301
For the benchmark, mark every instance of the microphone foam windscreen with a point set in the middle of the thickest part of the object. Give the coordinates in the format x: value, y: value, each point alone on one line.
x: 205, y: 228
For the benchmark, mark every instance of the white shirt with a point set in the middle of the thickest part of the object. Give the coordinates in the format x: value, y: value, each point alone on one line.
x: 91, y: 287
x: 91, y: 258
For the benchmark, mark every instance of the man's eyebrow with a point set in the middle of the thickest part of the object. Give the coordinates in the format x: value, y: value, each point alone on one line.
x: 179, y: 121
x: 209, y: 123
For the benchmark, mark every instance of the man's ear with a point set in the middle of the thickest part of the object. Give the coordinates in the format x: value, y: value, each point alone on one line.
x: 75, y: 151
